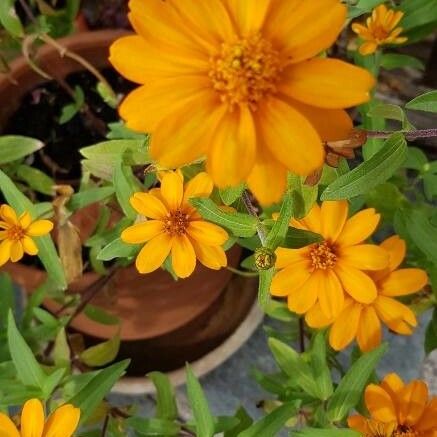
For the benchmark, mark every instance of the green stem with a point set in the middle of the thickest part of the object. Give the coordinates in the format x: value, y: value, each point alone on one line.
x: 243, y: 273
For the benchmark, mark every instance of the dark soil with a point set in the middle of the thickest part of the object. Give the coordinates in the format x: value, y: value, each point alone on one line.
x: 38, y: 117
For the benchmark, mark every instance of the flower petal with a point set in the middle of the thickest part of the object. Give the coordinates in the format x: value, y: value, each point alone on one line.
x: 184, y: 135
x: 368, y: 48
x: 284, y: 131
x: 232, y: 152
x: 172, y: 190
x: 301, y: 299
x: 359, y: 227
x: 142, y: 232
x: 154, y: 253
x: 356, y: 283
x: 395, y: 315
x: 39, y: 228
x: 268, y: 178
x: 200, y: 186
x: 290, y: 279
x: 313, y: 220
x: 25, y: 220
x: 7, y: 427
x: 8, y: 214
x: 428, y: 421
x: 29, y: 246
x: 286, y: 257
x: 327, y: 83
x: 397, y: 250
x: 148, y: 205
x: 392, y: 384
x: 17, y: 251
x: 246, y: 17
x: 183, y: 256
x: 207, y: 233
x: 331, y: 294
x: 32, y: 419
x: 380, y: 404
x: 161, y: 97
x: 344, y: 329
x: 62, y: 422
x: 334, y: 215
x: 5, y: 251
x: 358, y: 423
x: 213, y: 257
x: 364, y: 256
x: 404, y: 281
x: 412, y: 398
x: 369, y: 330
x: 316, y: 318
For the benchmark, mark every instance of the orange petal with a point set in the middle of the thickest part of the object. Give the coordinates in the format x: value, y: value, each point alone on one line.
x: 290, y: 279
x: 39, y: 228
x: 284, y: 130
x: 316, y: 318
x: 62, y: 422
x: 313, y: 220
x: 246, y: 17
x: 404, y: 281
x: 142, y: 232
x: 344, y: 329
x: 303, y: 298
x: 395, y: 314
x: 392, y: 384
x: 148, y: 205
x: 183, y: 256
x: 397, y: 250
x: 5, y: 251
x: 380, y: 404
x: 359, y: 227
x: 32, y: 419
x: 331, y: 294
x: 154, y: 253
x: 29, y: 246
x: 327, y: 83
x: 8, y: 214
x: 364, y: 256
x: 17, y: 251
x: 200, y: 186
x: 207, y: 233
x: 286, y: 257
x: 428, y: 421
x: 369, y: 330
x: 7, y: 427
x: 232, y: 152
x: 368, y: 48
x: 334, y: 215
x: 358, y: 423
x: 172, y: 190
x: 213, y: 257
x: 412, y: 398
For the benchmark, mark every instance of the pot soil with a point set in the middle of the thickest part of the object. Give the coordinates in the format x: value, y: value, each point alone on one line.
x: 165, y: 323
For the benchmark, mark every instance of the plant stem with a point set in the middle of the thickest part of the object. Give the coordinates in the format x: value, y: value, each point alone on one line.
x: 243, y: 273
x: 105, y: 426
x: 301, y: 334
x: 409, y: 135
x: 253, y: 212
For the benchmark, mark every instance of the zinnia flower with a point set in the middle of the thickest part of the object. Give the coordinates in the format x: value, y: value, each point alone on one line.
x: 16, y: 234
x: 239, y: 82
x: 363, y: 322
x: 323, y: 272
x: 175, y: 226
x: 61, y: 423
x: 380, y: 29
x: 397, y: 410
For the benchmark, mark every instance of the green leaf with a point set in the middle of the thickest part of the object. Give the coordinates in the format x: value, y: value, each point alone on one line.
x: 416, y: 159
x: 241, y: 225
x: 265, y: 281
x: 52, y: 382
x: 231, y: 194
x: 314, y: 432
x: 303, y: 197
x: 47, y: 252
x: 199, y: 405
x: 117, y: 249
x: 389, y: 61
x: 350, y: 389
x: 97, y: 387
x: 9, y: 18
x: 166, y: 407
x: 61, y: 349
x: 7, y: 293
x: 101, y: 354
x: 362, y: 7
x: 99, y: 315
x: 119, y: 131
x: 391, y: 112
x: 14, y: 147
x: 28, y: 370
x: 320, y: 368
x: 244, y: 421
x: 297, y: 238
x: 371, y: 173
x: 426, y: 102
x: 84, y: 198
x: 418, y: 13
x: 36, y: 179
x: 277, y: 234
x: 292, y: 364
x: 125, y: 187
x: 279, y: 311
x: 430, y: 186
x: 70, y: 110
x: 153, y: 427
x: 107, y: 94
x: 271, y: 424
x: 431, y: 334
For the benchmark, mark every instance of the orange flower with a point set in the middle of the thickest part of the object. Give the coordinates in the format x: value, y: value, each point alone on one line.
x: 363, y: 321
x: 397, y: 410
x: 380, y: 30
x: 241, y: 83
x: 16, y: 234
x: 175, y: 226
x: 323, y: 272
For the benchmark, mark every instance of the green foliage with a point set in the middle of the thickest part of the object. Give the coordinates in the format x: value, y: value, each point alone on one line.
x: 15, y: 147
x: 389, y: 61
x: 426, y: 102
x: 9, y: 18
x: 101, y: 354
x: 70, y: 110
x: 166, y: 407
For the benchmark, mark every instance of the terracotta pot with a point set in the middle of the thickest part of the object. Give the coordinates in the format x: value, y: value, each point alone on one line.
x: 164, y: 322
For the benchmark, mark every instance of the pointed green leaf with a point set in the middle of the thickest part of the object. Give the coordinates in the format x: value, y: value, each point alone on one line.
x: 125, y: 186
x: 9, y: 18
x: 102, y: 353
x: 166, y: 407
x: 84, y: 198
x: 313, y: 432
x: 426, y: 102
x: 231, y: 194
x: 276, y: 235
x: 320, y: 368
x: 117, y: 249
x: 14, y: 147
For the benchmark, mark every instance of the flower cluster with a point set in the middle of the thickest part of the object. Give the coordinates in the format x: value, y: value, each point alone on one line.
x: 345, y: 283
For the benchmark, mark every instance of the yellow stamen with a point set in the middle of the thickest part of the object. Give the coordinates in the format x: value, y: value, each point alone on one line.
x: 322, y: 256
x: 245, y: 71
x: 15, y: 233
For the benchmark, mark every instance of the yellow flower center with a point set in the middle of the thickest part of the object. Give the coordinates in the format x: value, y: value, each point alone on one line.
x: 176, y: 223
x: 322, y: 256
x: 245, y: 71
x: 405, y: 431
x: 15, y: 233
x: 380, y: 34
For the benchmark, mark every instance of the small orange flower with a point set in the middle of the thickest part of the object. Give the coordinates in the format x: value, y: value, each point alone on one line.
x: 397, y: 410
x: 61, y: 423
x: 380, y: 30
x: 324, y: 272
x: 16, y: 233
x: 363, y: 321
x: 175, y: 226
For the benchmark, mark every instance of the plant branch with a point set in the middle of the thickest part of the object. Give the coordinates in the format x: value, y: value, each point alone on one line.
x: 254, y: 212
x: 301, y: 334
x: 243, y: 273
x: 409, y: 135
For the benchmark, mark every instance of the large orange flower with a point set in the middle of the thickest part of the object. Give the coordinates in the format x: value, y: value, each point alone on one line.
x: 363, y: 322
x: 239, y: 81
x: 397, y: 410
x: 322, y: 273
